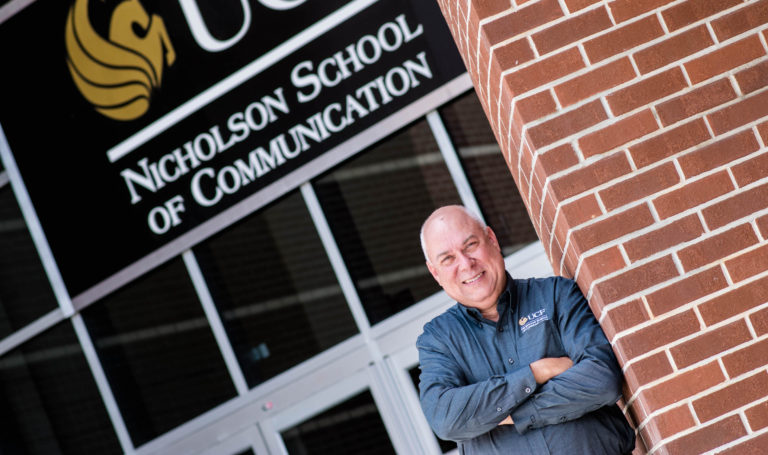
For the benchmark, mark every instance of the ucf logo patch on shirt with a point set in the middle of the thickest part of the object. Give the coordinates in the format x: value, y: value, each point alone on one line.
x: 532, y: 320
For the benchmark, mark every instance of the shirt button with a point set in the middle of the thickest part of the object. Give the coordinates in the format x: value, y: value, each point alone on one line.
x: 562, y: 419
x: 498, y: 409
x: 527, y: 390
x: 501, y: 329
x: 511, y: 360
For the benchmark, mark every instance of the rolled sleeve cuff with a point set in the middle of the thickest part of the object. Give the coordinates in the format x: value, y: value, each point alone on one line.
x: 521, y: 385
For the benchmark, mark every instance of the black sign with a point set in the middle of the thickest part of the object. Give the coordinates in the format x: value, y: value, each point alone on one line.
x: 133, y: 122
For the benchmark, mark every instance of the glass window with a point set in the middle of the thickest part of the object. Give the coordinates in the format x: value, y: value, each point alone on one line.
x: 488, y: 173
x: 375, y: 204
x: 25, y: 294
x: 352, y: 427
x: 158, y: 352
x: 49, y: 400
x: 275, y: 290
x: 445, y: 446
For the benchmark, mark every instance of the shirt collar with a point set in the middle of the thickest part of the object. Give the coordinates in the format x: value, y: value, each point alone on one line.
x: 504, y: 302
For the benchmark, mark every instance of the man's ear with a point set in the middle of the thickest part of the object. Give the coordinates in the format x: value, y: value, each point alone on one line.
x: 433, y: 271
x: 492, y: 238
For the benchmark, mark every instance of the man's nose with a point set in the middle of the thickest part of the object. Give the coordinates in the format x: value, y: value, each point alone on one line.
x: 465, y: 261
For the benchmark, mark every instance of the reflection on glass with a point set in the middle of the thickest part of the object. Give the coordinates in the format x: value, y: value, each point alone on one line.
x: 158, y: 352
x: 25, y: 294
x: 49, y: 401
x: 275, y: 290
x: 353, y: 427
x: 445, y: 446
x: 488, y: 173
x: 375, y: 204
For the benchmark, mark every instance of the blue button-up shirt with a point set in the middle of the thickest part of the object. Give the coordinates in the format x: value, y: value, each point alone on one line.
x: 475, y: 373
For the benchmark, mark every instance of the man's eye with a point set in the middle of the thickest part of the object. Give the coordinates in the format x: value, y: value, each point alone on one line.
x: 471, y: 246
x: 447, y: 260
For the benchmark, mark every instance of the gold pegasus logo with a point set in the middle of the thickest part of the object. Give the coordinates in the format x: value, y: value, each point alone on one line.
x: 118, y: 75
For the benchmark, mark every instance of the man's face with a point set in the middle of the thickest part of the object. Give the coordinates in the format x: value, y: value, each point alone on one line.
x: 464, y: 258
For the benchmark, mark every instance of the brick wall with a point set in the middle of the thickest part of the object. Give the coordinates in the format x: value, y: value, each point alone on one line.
x: 636, y: 131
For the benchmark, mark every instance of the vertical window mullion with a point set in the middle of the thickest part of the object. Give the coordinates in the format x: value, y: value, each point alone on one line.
x: 36, y: 230
x: 337, y: 262
x: 451, y: 158
x: 102, y: 384
x: 214, y: 320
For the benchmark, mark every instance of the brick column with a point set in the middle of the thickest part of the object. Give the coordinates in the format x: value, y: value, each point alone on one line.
x: 635, y: 131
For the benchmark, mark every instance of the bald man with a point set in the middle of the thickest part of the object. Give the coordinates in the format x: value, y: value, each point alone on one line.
x: 516, y: 366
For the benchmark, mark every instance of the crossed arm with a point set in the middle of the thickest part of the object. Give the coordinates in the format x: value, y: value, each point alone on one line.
x: 543, y: 370
x: 552, y: 390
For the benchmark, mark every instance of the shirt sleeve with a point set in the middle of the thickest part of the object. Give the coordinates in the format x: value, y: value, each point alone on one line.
x: 457, y: 410
x: 592, y: 382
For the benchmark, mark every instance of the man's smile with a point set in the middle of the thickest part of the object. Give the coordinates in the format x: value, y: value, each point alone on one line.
x: 474, y: 278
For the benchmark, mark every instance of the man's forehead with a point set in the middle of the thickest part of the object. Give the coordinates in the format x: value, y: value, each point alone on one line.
x: 448, y: 248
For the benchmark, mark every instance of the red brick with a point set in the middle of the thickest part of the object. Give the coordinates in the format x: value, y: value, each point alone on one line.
x: 646, y: 91
x: 519, y: 21
x: 748, y: 264
x: 759, y: 321
x: 758, y: 418
x: 708, y: 437
x: 575, y: 213
x: 753, y: 78
x: 691, y: 11
x: 623, y: 317
x: 683, y: 386
x: 701, y: 99
x: 693, y: 194
x: 571, y: 30
x: 623, y: 10
x: 575, y: 5
x: 488, y: 8
x: 714, y: 248
x: 669, y: 423
x: 686, y: 291
x: 670, y: 143
x: 710, y: 344
x: 567, y: 124
x: 731, y: 117
x: 640, y: 186
x: 741, y: 20
x: 558, y: 159
x: 536, y: 106
x: 718, y: 153
x: 762, y: 129
x: 543, y: 71
x: 660, y: 333
x: 623, y: 38
x: 611, y: 228
x: 673, y: 234
x: 509, y: 56
x: 600, y: 264
x: 734, y: 302
x: 648, y: 370
x: 732, y: 397
x: 601, y: 79
x: 754, y: 446
x: 673, y: 49
x: 724, y: 59
x: 762, y: 226
x: 736, y: 207
x: 635, y: 280
x: 746, y: 359
x: 618, y: 133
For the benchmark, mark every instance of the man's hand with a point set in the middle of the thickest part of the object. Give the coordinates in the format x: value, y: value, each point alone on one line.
x: 549, y: 367
x: 507, y: 421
